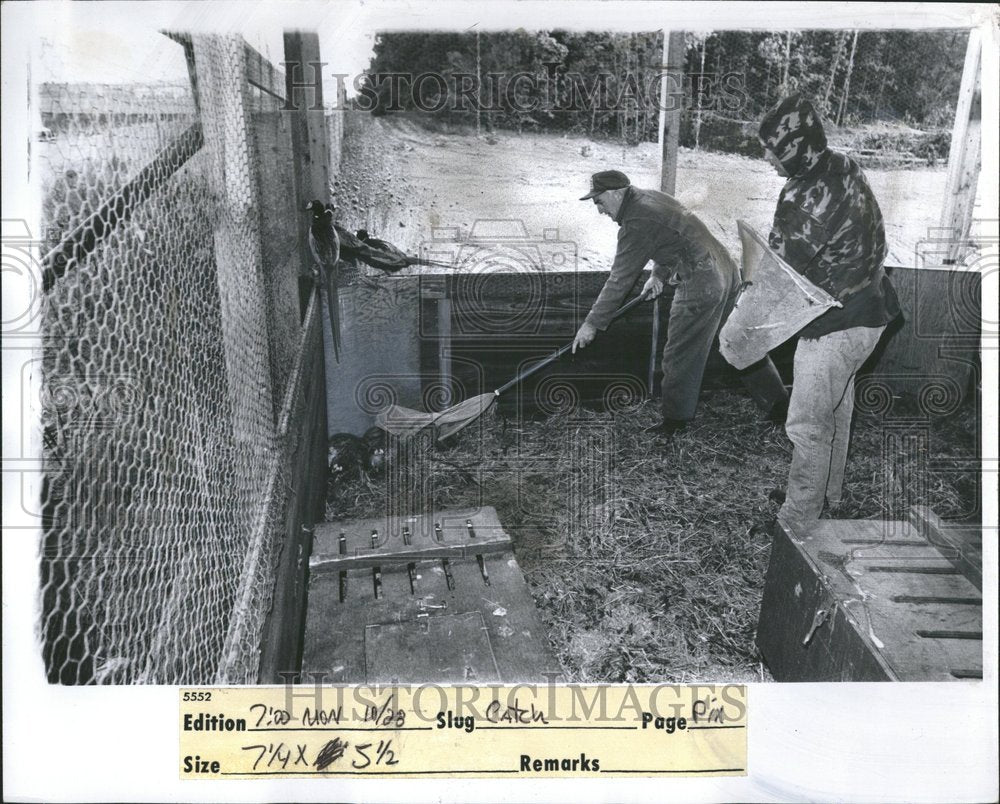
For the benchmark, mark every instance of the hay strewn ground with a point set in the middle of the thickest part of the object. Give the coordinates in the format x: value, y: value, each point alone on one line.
x: 644, y: 561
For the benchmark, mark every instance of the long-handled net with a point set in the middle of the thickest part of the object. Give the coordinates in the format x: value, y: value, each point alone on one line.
x: 777, y: 301
x: 406, y: 422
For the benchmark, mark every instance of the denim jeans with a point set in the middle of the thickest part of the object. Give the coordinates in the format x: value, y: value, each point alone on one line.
x: 819, y: 420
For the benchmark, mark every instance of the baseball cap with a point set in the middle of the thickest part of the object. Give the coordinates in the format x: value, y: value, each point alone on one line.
x: 606, y: 180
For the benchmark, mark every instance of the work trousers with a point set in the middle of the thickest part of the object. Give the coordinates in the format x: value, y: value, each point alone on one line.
x: 819, y: 420
x: 700, y: 306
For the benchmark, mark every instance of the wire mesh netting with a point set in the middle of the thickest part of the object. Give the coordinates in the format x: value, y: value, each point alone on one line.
x: 162, y: 491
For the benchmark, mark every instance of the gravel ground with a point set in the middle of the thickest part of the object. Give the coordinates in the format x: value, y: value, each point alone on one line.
x: 401, y: 180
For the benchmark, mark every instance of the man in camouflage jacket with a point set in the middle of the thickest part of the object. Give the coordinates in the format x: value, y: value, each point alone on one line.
x: 829, y: 228
x: 655, y: 227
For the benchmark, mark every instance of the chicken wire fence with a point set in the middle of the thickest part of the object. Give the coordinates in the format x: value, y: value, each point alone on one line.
x: 168, y: 213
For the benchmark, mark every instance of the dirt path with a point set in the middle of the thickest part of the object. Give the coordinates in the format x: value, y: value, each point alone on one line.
x: 403, y: 181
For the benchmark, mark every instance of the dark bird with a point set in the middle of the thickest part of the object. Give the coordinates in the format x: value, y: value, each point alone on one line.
x: 387, y: 257
x: 345, y: 456
x: 324, y: 244
x: 377, y: 443
x: 350, y: 245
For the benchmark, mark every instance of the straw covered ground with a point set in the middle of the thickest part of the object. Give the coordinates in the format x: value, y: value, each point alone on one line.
x: 647, y: 563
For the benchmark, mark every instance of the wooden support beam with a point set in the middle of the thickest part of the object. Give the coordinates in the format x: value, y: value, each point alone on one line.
x: 263, y: 75
x: 184, y: 40
x: 671, y: 108
x: 965, y: 156
x: 304, y: 93
x: 303, y: 436
x: 94, y: 230
x: 311, y: 160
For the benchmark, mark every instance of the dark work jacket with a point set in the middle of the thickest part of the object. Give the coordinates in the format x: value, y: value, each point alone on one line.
x: 829, y: 228
x: 657, y: 227
x: 828, y: 225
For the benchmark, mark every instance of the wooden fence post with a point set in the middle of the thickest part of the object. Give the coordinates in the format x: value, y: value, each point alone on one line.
x: 671, y: 109
x: 311, y: 156
x: 310, y: 145
x: 965, y: 156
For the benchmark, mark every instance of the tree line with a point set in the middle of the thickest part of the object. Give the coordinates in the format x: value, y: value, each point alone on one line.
x: 611, y: 85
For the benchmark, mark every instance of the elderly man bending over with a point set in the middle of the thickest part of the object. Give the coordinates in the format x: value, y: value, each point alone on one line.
x: 654, y: 226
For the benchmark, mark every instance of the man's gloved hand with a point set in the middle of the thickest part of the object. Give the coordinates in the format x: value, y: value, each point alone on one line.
x: 584, y: 336
x: 652, y: 288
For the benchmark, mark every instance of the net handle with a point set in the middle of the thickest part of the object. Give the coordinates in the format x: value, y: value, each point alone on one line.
x: 562, y: 350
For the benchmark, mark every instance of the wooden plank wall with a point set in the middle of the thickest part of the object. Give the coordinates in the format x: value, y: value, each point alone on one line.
x: 225, y: 118
x: 278, y: 214
x: 931, y: 354
x: 281, y: 649
x: 501, y: 323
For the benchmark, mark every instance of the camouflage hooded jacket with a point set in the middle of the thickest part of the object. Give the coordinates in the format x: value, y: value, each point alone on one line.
x: 828, y: 225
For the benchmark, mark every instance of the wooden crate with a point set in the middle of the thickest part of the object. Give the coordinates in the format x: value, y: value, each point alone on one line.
x: 871, y: 601
x: 450, y: 606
